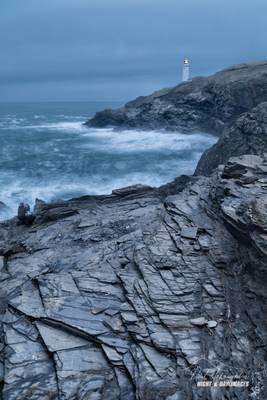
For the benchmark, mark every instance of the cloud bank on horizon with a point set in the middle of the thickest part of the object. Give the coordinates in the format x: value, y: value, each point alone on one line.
x: 118, y: 49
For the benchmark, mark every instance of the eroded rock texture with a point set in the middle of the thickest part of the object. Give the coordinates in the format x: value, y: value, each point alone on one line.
x: 139, y: 295
x: 247, y: 136
x: 207, y: 104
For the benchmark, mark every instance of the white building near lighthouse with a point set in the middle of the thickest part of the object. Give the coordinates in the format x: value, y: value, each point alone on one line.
x: 186, y: 70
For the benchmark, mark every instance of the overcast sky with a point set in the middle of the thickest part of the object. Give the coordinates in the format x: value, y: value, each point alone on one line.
x: 118, y: 49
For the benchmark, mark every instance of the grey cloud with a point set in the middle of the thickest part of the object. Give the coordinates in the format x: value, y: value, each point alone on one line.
x: 57, y: 44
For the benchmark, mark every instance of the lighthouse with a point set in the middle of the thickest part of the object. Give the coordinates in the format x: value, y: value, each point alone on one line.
x: 186, y: 70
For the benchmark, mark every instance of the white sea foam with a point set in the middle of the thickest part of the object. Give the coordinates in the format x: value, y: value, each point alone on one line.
x: 72, y: 117
x: 11, y: 122
x: 28, y: 191
x: 65, y: 126
x: 110, y: 140
x: 152, y: 158
x: 133, y: 140
x: 73, y: 126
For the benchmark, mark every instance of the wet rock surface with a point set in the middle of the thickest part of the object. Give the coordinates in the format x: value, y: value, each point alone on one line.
x: 207, y: 104
x: 141, y: 294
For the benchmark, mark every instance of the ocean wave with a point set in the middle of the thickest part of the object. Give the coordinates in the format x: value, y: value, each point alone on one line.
x: 111, y: 140
x: 133, y: 140
x: 27, y: 190
x: 66, y: 126
x: 87, y: 160
x: 38, y: 116
x: 10, y: 121
x: 72, y: 117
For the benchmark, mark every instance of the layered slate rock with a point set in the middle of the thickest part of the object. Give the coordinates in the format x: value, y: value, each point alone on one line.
x: 140, y: 295
x: 208, y: 104
x: 247, y: 136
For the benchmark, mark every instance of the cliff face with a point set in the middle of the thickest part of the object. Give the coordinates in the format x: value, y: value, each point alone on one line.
x: 208, y: 104
x: 146, y: 293
x: 247, y: 136
x: 140, y: 295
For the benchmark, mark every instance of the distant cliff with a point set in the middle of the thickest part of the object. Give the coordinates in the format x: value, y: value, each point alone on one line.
x: 209, y: 104
x: 147, y: 292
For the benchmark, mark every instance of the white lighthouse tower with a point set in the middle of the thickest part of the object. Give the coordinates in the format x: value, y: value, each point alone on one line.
x: 186, y: 70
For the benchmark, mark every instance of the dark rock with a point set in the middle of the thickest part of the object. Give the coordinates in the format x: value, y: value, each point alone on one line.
x: 54, y: 211
x: 129, y: 190
x: 24, y: 214
x: 176, y: 186
x: 173, y: 291
x: 247, y: 136
x: 39, y: 204
x: 207, y: 104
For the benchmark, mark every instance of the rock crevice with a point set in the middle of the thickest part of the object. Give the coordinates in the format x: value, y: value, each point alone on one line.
x: 141, y: 294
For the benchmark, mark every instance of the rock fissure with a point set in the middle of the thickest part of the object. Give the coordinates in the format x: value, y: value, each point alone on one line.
x: 147, y: 292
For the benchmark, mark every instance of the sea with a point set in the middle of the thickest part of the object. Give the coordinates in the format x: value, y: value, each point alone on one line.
x: 48, y: 153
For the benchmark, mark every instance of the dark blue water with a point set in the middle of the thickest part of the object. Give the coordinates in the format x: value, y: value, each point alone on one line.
x: 47, y: 153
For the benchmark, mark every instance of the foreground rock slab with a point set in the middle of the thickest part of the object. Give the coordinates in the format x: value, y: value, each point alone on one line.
x: 142, y: 294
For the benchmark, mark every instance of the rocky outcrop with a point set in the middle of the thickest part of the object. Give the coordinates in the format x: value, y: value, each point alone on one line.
x: 207, y: 104
x: 143, y: 294
x: 247, y: 136
x: 24, y: 215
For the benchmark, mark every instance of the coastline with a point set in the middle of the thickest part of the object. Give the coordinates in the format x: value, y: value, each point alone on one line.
x: 141, y: 292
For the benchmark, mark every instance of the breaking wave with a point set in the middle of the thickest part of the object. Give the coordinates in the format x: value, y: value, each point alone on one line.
x: 57, y: 157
